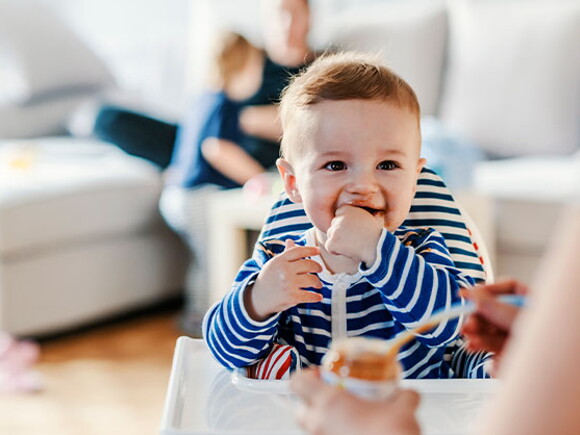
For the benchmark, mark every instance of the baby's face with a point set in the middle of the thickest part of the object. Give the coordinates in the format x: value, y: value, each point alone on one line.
x: 355, y: 152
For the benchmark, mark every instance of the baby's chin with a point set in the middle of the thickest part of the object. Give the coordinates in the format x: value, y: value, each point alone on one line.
x: 391, y: 226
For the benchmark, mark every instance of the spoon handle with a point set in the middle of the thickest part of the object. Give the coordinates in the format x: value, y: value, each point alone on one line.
x: 455, y: 310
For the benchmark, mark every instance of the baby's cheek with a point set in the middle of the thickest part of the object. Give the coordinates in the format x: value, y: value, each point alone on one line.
x: 381, y: 221
x: 321, y: 218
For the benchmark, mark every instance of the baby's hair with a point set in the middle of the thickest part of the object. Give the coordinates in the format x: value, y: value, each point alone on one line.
x: 345, y: 76
x: 230, y: 54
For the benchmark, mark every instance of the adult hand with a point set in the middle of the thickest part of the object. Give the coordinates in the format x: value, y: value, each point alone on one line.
x: 490, y: 326
x: 331, y: 410
x: 354, y: 233
x: 281, y: 281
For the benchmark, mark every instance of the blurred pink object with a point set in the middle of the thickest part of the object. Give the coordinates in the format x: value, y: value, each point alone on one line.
x: 16, y: 360
x: 261, y: 185
x: 256, y: 187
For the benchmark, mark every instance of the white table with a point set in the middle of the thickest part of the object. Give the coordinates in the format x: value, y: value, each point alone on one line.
x: 231, y: 214
x: 201, y: 399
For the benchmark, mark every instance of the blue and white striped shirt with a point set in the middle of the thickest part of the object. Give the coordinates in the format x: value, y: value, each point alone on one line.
x: 412, y: 277
x: 433, y: 206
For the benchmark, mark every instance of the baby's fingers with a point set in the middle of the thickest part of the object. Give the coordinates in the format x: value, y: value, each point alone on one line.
x: 306, y: 297
x: 294, y: 253
x: 309, y: 281
x: 307, y: 266
x: 289, y: 243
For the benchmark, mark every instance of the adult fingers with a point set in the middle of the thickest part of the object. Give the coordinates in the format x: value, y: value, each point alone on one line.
x: 485, y: 291
x: 407, y: 399
x: 507, y: 286
x: 493, y: 343
x: 476, y: 324
x: 471, y: 325
x: 490, y: 343
x: 306, y: 383
x: 483, y: 335
x: 499, y: 314
x: 490, y: 308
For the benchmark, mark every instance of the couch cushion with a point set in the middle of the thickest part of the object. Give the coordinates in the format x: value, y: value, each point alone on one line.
x: 541, y: 179
x: 58, y: 191
x: 530, y: 193
x: 410, y: 35
x: 41, y: 118
x: 513, y: 82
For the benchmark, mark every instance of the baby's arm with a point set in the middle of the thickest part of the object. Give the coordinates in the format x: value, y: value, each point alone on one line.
x: 238, y: 331
x: 416, y: 282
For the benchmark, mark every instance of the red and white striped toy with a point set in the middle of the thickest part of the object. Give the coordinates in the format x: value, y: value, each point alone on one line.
x: 279, y: 364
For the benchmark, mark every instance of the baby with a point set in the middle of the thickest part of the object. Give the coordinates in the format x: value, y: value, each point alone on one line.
x: 351, y: 155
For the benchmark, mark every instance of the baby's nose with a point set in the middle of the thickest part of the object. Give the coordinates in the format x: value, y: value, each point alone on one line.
x: 363, y: 183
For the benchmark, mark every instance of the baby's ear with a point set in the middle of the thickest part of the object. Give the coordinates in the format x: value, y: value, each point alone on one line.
x: 421, y: 165
x: 289, y: 179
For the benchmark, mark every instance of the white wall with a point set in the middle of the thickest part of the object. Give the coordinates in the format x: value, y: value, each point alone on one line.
x: 158, y: 49
x: 243, y: 16
x: 145, y: 43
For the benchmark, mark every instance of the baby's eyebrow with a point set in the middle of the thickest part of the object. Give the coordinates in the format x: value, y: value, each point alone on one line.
x: 332, y: 154
x: 393, y: 152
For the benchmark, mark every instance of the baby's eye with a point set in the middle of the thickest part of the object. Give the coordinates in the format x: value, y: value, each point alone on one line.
x: 387, y: 165
x: 335, y: 165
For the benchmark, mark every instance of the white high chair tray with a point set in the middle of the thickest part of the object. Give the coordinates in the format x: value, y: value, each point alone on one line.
x: 202, y: 399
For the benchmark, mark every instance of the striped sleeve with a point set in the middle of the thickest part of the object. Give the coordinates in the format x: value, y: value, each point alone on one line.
x: 466, y: 364
x: 233, y: 337
x: 415, y: 282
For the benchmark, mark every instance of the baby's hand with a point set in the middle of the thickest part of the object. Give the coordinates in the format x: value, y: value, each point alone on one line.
x: 279, y: 284
x: 354, y: 233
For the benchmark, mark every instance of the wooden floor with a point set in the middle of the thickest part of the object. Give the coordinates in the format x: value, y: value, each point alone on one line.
x: 110, y: 379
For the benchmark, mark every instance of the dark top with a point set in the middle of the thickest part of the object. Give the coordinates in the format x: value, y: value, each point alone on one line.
x: 274, y: 79
x: 212, y: 115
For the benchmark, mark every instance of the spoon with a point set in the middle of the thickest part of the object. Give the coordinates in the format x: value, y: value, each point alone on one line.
x: 457, y: 309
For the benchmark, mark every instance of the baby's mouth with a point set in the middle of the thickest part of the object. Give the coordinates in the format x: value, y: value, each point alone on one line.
x: 374, y: 211
x: 371, y: 210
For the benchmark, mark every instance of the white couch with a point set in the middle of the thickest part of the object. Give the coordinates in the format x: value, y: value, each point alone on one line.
x: 81, y: 238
